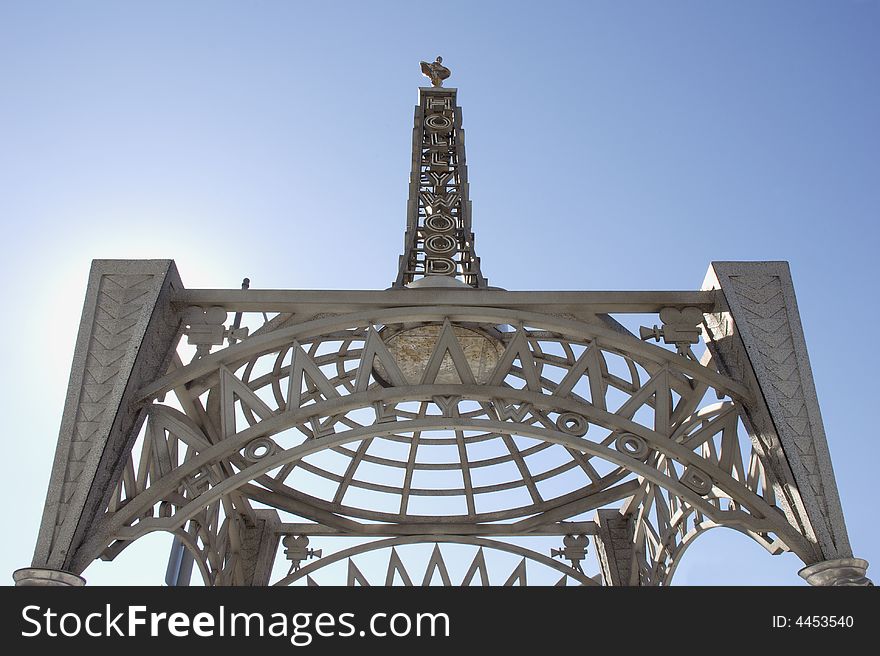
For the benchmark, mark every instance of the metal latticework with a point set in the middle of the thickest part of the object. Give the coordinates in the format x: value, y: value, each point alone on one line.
x: 439, y: 431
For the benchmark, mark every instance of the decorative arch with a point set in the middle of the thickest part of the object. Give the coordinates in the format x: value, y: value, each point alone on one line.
x: 645, y: 426
x: 477, y: 570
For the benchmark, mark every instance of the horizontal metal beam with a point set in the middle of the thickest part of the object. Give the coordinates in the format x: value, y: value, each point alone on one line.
x: 314, y: 301
x: 385, y: 530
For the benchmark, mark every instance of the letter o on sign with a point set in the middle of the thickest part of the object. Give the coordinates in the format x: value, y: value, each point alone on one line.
x: 440, y: 244
x: 632, y: 445
x: 259, y: 448
x: 438, y: 122
x: 572, y: 423
x: 439, y: 223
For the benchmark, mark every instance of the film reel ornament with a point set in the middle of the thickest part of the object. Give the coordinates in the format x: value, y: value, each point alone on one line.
x: 633, y: 446
x: 260, y: 448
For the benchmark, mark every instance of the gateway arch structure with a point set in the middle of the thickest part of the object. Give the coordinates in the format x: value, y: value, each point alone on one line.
x: 441, y: 430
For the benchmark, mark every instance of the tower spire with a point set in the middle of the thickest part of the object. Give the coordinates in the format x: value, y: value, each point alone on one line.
x: 438, y: 244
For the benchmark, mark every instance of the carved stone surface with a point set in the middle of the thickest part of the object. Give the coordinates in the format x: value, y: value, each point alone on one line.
x: 614, y: 546
x: 259, y: 541
x: 762, y: 304
x: 412, y: 350
x: 125, y: 337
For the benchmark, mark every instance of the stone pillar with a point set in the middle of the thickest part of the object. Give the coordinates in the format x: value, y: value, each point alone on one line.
x: 757, y: 338
x: 614, y: 547
x: 259, y: 542
x: 839, y: 572
x: 39, y: 576
x: 126, y: 338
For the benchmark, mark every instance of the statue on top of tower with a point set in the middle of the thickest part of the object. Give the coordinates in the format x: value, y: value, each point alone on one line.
x: 436, y: 71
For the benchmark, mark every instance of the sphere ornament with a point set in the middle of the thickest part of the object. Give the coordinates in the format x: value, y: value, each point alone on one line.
x: 412, y: 349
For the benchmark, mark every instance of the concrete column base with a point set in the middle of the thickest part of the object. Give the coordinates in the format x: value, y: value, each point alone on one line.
x: 41, y: 576
x: 843, y: 571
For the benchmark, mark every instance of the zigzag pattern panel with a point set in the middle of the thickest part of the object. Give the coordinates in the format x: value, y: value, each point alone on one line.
x: 120, y: 303
x: 121, y: 299
x: 761, y: 297
x: 761, y: 300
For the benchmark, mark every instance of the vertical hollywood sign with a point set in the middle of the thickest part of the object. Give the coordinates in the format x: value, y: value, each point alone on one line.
x: 439, y: 197
x: 438, y: 241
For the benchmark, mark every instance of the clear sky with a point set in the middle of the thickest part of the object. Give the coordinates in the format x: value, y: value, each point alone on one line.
x: 611, y: 145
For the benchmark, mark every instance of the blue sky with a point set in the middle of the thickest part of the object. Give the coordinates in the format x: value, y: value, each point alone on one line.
x: 610, y: 146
